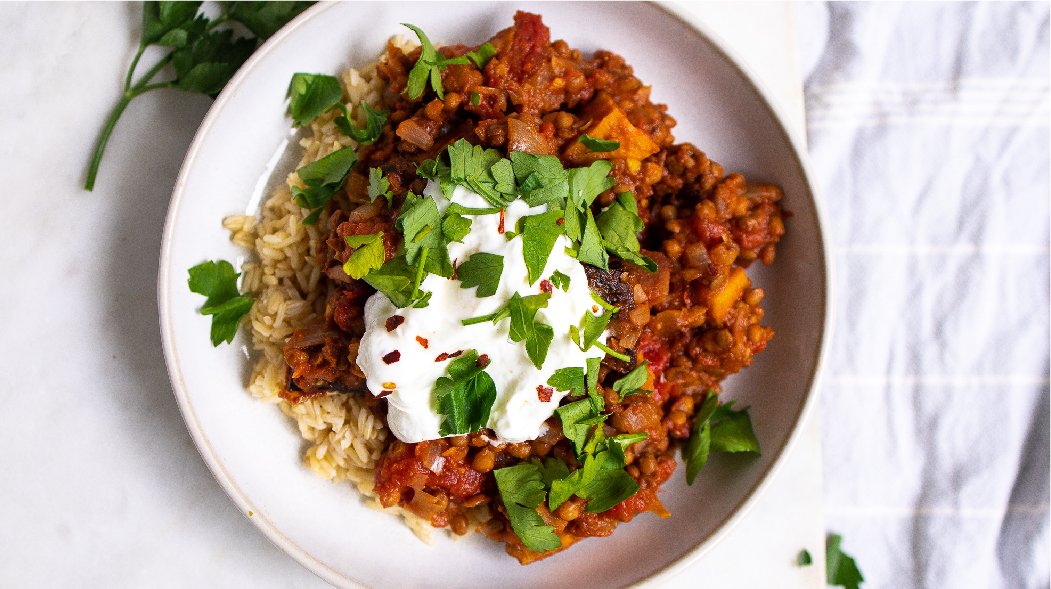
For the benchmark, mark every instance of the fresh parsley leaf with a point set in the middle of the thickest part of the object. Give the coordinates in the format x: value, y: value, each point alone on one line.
x: 394, y: 279
x: 698, y: 447
x: 551, y: 469
x: 537, y: 336
x: 591, y: 250
x: 421, y: 225
x: 428, y: 67
x: 804, y: 559
x: 585, y: 184
x: 379, y: 186
x: 632, y: 382
x: 840, y: 568
x: 476, y: 99
x: 599, y: 145
x: 368, y: 257
x: 608, y: 488
x: 601, y: 479
x: 619, y: 225
x: 619, y: 443
x: 539, y: 233
x: 560, y: 280
x: 472, y: 166
x: 455, y: 227
x: 568, y: 379
x: 264, y: 18
x: 719, y: 429
x: 590, y: 329
x: 309, y: 95
x: 482, y: 270
x: 541, y: 178
x: 374, y: 121
x: 160, y: 19
x: 206, y: 63
x: 577, y: 419
x: 464, y: 396
x: 732, y: 431
x: 482, y: 55
x: 522, y: 490
x: 323, y: 179
x: 217, y: 281
x: 595, y: 395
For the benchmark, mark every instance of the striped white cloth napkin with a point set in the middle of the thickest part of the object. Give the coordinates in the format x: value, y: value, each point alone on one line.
x: 929, y: 134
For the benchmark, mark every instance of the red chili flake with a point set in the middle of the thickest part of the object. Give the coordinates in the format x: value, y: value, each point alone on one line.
x: 482, y: 361
x: 594, y: 308
x: 500, y: 228
x: 394, y: 321
x: 423, y: 341
x: 456, y: 353
x: 442, y: 357
x: 560, y: 221
x: 383, y: 393
x: 544, y: 393
x: 392, y: 357
x: 546, y: 286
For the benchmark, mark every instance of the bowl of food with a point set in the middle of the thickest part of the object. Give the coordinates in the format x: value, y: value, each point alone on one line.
x: 505, y: 319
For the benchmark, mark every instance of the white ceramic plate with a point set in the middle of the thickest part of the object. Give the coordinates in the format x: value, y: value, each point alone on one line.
x: 255, y: 451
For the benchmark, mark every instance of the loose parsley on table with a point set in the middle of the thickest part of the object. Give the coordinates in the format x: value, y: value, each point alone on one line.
x: 840, y: 568
x: 217, y: 281
x: 203, y: 53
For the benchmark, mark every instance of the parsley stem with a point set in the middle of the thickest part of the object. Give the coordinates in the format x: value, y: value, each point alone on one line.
x: 100, y: 146
x: 150, y: 73
x: 134, y: 64
x: 606, y: 349
x: 419, y: 272
x: 111, y: 122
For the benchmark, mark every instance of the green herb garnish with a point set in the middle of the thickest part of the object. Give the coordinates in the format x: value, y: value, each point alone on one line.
x: 631, y: 383
x: 368, y: 257
x: 599, y: 145
x: 539, y: 233
x: 217, y: 281
x: 379, y: 186
x: 202, y: 55
x: 476, y: 99
x: 428, y: 67
x: 717, y: 428
x: 522, y: 490
x: 465, y: 395
x: 619, y: 225
x: 323, y: 179
x: 397, y: 280
x: 482, y: 55
x: 560, y: 280
x: 804, y: 559
x: 482, y: 270
x: 309, y: 95
x: 840, y: 568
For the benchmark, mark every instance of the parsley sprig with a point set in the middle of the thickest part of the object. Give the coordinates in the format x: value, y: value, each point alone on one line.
x: 311, y: 95
x: 203, y: 53
x: 717, y: 428
x: 464, y: 396
x: 428, y: 67
x: 217, y: 281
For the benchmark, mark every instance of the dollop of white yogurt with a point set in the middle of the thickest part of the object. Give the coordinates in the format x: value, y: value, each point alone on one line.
x: 518, y: 413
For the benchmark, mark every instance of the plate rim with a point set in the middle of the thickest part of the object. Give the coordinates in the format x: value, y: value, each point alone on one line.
x: 164, y: 280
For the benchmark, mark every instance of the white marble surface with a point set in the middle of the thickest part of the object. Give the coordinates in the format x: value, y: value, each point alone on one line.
x: 102, y: 486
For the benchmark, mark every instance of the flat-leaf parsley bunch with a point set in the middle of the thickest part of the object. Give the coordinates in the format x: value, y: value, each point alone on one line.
x: 203, y: 53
